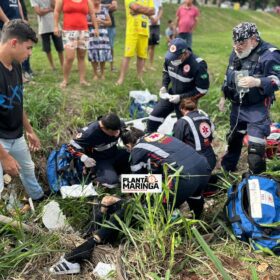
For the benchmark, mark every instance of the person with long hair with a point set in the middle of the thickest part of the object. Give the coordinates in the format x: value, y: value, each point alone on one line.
x: 196, y: 129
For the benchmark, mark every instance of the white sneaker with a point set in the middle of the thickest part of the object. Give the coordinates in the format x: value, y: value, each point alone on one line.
x: 65, y: 267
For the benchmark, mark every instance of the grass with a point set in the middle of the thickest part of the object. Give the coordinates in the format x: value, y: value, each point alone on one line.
x: 158, y: 247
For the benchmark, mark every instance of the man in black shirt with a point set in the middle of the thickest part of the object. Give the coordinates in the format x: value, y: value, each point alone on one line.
x: 16, y: 44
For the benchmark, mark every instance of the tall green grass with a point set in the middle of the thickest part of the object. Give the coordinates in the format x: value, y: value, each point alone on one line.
x: 155, y: 234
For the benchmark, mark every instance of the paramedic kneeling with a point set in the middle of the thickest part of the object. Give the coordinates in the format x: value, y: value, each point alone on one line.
x: 196, y: 129
x: 96, y: 145
x: 151, y: 151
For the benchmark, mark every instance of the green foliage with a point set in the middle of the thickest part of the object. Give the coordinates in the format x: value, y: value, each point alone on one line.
x: 254, y: 274
x: 78, y: 211
x: 210, y: 254
x: 13, y: 256
x: 42, y: 106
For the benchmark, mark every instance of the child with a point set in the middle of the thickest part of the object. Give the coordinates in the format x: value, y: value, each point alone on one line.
x: 170, y: 31
x: 99, y: 50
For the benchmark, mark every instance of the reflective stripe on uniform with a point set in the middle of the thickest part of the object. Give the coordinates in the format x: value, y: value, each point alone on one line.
x: 257, y: 140
x: 156, y: 150
x: 201, y: 90
x: 105, y: 147
x: 242, y: 131
x: 201, y: 118
x: 198, y: 59
x: 156, y: 119
x: 272, y: 49
x: 202, y: 113
x: 275, y: 79
x: 110, y: 186
x: 195, y: 197
x: 75, y: 145
x: 138, y: 166
x: 194, y: 131
x: 178, y: 77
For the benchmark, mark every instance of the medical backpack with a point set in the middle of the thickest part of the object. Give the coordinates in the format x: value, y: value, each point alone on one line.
x: 253, y: 210
x: 63, y: 169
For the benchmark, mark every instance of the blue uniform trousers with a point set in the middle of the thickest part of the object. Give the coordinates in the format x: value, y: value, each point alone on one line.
x: 161, y: 110
x: 253, y: 120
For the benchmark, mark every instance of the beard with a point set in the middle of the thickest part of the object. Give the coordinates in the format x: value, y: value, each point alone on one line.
x: 243, y: 54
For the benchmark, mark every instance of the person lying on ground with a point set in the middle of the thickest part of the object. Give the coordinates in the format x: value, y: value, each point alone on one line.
x: 70, y: 263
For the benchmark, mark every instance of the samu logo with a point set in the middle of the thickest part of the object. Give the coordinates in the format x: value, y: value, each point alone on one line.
x: 7, y: 102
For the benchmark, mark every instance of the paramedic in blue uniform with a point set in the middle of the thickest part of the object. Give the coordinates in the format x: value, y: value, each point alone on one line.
x: 151, y: 151
x: 96, y: 145
x: 196, y: 129
x: 184, y: 75
x: 250, y: 95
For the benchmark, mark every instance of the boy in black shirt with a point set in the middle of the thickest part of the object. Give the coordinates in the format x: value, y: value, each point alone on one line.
x: 16, y: 44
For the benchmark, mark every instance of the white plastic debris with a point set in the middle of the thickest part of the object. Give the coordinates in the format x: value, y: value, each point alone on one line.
x: 13, y: 201
x: 138, y: 123
x: 104, y: 271
x: 53, y: 218
x: 167, y: 126
x: 78, y: 191
x: 142, y: 96
x: 31, y: 204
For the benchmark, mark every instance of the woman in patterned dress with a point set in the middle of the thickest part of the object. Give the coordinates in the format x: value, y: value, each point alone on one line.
x: 99, y: 47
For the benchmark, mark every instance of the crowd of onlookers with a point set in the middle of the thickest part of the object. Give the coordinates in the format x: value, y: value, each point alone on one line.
x: 88, y: 29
